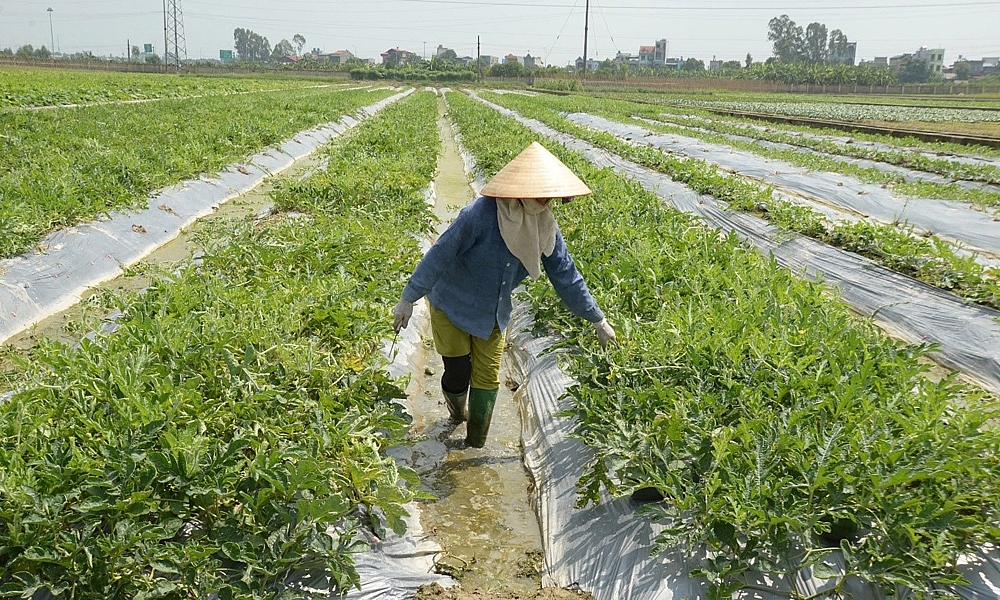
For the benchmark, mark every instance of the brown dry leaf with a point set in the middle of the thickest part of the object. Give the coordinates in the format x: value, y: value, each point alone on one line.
x: 138, y: 229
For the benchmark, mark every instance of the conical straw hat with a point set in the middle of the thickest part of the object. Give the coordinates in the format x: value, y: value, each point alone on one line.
x: 535, y: 173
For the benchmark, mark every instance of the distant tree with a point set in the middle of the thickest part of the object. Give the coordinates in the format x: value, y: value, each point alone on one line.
x: 837, y: 46
x: 788, y: 38
x: 448, y: 54
x: 748, y: 61
x: 731, y: 65
x: 152, y: 59
x: 282, y: 49
x: 43, y: 52
x: 300, y: 42
x: 963, y: 70
x: 136, y: 52
x: 693, y: 65
x: 508, y: 69
x: 915, y: 71
x: 815, y: 43
x: 250, y: 46
x: 26, y: 51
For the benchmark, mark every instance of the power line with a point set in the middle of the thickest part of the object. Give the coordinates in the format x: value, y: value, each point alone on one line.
x: 553, y: 46
x: 608, y: 27
x: 688, y: 6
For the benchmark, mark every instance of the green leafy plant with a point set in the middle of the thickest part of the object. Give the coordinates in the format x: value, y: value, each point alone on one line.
x: 778, y: 427
x: 230, y: 434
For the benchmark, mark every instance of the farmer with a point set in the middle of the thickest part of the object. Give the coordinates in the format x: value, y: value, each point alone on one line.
x: 507, y: 234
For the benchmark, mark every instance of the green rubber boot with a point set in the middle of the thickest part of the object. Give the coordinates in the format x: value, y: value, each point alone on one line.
x: 481, y: 404
x: 456, y: 405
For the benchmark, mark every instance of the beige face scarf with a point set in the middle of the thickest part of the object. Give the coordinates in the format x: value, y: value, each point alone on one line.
x: 529, y: 230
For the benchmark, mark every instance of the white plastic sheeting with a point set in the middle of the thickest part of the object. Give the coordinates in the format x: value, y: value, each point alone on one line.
x: 967, y: 336
x: 968, y: 159
x: 604, y: 549
x: 394, y: 568
x: 908, y: 175
x: 37, y: 285
x: 951, y: 220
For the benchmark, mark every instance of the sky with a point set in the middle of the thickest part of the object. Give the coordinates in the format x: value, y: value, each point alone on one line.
x: 549, y: 29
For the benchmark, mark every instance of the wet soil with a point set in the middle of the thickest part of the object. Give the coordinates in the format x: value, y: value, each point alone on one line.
x: 436, y: 592
x: 481, y: 518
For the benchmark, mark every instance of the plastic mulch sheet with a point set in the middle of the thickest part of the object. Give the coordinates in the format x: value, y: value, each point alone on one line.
x: 34, y: 286
x: 951, y: 220
x: 394, y: 568
x: 908, y: 175
x: 968, y: 159
x: 967, y: 336
x: 605, y: 549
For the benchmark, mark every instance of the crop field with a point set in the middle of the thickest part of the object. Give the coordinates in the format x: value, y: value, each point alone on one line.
x: 232, y: 428
x: 773, y: 422
x: 68, y: 165
x: 231, y: 431
x: 23, y: 88
x: 926, y: 256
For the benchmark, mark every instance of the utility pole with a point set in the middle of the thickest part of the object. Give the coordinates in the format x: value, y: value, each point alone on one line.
x: 479, y: 59
x: 173, y: 25
x: 128, y: 50
x: 164, y: 36
x: 586, y: 27
x: 52, y: 37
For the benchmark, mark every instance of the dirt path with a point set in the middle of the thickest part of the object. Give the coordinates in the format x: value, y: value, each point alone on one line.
x: 481, y: 519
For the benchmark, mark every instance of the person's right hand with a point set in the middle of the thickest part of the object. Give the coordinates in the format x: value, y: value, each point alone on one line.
x: 401, y: 315
x: 605, y: 334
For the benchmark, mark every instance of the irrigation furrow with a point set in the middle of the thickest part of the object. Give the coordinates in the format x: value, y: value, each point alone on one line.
x: 38, y: 285
x: 951, y: 220
x: 967, y: 336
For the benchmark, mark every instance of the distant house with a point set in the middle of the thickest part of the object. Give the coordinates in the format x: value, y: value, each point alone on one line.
x: 340, y: 57
x: 660, y: 52
x: 510, y: 58
x: 530, y: 62
x: 592, y: 65
x: 441, y: 50
x: 288, y: 60
x: 394, y: 57
x: 488, y: 60
x: 653, y: 55
x: 934, y: 57
x: 715, y: 65
x: 623, y: 58
x: 847, y: 57
x: 646, y: 54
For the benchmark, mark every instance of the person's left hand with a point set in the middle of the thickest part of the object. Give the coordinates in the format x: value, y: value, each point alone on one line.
x: 605, y: 333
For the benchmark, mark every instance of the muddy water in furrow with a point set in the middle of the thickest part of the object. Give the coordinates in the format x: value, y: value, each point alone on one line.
x: 481, y: 517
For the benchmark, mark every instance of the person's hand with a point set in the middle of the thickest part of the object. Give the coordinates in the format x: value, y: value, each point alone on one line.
x: 401, y: 315
x: 605, y: 333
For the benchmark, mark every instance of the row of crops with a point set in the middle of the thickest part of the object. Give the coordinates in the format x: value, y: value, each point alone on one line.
x: 65, y: 166
x: 778, y: 427
x: 926, y: 256
x: 851, y: 112
x: 231, y: 432
x: 21, y: 88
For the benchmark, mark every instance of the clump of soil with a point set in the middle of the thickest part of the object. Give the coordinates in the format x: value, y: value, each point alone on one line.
x: 436, y: 592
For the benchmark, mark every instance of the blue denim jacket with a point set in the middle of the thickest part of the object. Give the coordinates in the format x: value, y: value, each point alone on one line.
x: 469, y: 274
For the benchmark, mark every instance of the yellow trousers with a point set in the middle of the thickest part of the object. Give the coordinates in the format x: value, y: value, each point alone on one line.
x: 450, y: 342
